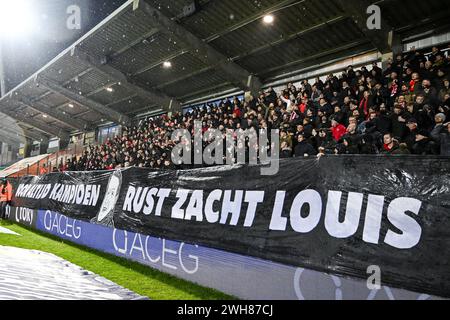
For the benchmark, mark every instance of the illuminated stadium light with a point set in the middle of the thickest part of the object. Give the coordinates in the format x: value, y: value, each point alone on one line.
x: 16, y: 18
x: 268, y: 19
x: 167, y: 64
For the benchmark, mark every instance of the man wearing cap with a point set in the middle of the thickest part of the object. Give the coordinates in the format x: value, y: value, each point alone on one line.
x: 5, y: 196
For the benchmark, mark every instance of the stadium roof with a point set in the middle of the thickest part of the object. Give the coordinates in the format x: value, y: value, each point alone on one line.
x: 117, y: 70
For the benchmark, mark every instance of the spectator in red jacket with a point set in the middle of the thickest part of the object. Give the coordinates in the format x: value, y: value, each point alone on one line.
x: 338, y: 130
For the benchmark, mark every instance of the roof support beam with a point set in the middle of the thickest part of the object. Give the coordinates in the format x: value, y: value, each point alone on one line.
x: 273, y: 9
x: 108, y: 113
x: 206, y: 91
x: 289, y: 37
x: 28, y: 133
x: 185, y: 77
x: 160, y: 62
x: 137, y: 41
x: 434, y: 25
x: 10, y: 126
x: 79, y: 115
x: 155, y: 96
x: 46, y: 94
x: 55, y: 114
x: 384, y: 39
x: 201, y: 50
x: 62, y: 134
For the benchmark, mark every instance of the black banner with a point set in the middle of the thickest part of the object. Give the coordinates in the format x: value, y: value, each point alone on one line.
x: 76, y: 194
x: 338, y: 215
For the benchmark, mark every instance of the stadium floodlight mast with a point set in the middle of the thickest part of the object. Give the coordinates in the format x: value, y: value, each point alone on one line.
x: 16, y: 21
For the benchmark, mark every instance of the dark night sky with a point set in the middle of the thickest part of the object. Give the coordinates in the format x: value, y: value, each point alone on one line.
x: 25, y: 56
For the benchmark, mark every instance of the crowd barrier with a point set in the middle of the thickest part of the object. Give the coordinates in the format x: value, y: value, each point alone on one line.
x: 311, y: 232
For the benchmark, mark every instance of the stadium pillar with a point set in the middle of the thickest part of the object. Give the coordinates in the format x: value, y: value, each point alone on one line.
x: 43, y: 147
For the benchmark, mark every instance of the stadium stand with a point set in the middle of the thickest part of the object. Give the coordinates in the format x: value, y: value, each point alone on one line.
x: 403, y: 109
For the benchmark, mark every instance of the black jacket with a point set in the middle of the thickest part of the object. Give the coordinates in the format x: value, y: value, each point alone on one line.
x: 399, y: 129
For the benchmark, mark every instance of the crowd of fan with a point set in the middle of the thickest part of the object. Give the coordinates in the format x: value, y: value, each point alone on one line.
x: 400, y: 110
